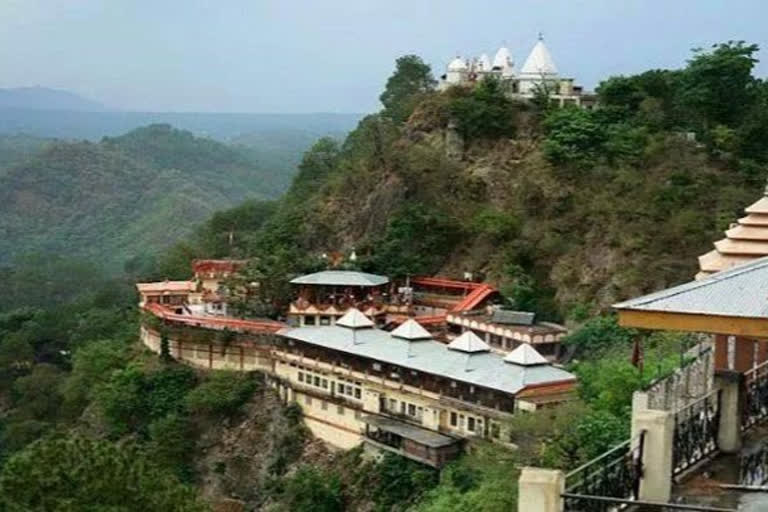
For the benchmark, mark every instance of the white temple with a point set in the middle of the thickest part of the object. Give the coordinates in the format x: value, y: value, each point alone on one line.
x: 539, y: 72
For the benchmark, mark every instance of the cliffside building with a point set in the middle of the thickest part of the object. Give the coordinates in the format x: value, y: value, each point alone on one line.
x: 539, y: 73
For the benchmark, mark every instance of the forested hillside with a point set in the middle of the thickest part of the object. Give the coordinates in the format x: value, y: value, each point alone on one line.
x: 122, y: 197
x: 568, y: 210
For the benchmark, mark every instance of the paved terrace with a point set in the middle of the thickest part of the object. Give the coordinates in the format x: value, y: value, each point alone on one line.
x: 215, y: 322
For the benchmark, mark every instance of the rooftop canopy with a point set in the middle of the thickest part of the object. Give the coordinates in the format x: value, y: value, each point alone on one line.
x: 525, y: 355
x: 411, y: 330
x: 470, y: 343
x: 341, y: 278
x: 733, y: 301
x: 354, y: 319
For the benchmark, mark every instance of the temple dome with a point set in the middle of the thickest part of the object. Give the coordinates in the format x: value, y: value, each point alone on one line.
x: 470, y: 343
x: 540, y: 61
x: 485, y: 63
x: 503, y: 58
x: 457, y: 64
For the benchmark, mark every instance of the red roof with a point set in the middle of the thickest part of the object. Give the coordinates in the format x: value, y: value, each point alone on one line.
x: 208, y: 322
x: 217, y: 265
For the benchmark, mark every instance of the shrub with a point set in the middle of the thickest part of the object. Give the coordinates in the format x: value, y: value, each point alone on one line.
x: 221, y: 393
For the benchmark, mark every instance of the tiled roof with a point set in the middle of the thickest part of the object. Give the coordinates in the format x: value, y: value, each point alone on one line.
x: 166, y: 286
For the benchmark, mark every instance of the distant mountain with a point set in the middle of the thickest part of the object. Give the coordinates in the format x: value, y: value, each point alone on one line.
x: 223, y: 127
x: 123, y: 196
x: 43, y: 98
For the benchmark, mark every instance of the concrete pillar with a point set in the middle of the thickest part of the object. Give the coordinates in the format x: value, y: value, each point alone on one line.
x: 540, y: 490
x: 731, y: 404
x: 659, y: 428
x: 640, y: 402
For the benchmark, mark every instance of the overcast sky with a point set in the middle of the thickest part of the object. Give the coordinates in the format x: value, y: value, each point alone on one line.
x: 334, y: 55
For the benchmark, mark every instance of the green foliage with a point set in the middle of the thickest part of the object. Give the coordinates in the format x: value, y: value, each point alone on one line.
x: 574, y: 136
x: 400, y: 483
x: 221, y: 393
x: 416, y: 241
x: 172, y: 444
x: 486, y: 113
x: 309, y: 489
x: 598, y: 335
x: 411, y: 80
x: 59, y: 475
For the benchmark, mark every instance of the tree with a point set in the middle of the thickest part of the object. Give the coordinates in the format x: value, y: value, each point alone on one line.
x: 411, y: 80
x: 718, y: 85
x: 62, y: 475
x: 487, y: 113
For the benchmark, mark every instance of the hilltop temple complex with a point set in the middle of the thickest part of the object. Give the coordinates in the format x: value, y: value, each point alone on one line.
x: 538, y: 73
x: 416, y: 367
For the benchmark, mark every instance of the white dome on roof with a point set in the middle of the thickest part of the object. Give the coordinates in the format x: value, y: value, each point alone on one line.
x: 457, y: 64
x: 470, y: 343
x: 354, y: 319
x: 503, y: 58
x: 525, y: 355
x: 411, y: 330
x: 540, y: 61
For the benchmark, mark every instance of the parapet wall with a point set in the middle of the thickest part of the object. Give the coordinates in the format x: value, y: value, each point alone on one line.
x: 211, y: 355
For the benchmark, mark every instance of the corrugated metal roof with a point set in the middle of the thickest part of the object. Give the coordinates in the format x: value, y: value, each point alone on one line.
x: 341, y: 278
x: 505, y: 316
x: 420, y: 435
x: 487, y: 369
x: 741, y: 291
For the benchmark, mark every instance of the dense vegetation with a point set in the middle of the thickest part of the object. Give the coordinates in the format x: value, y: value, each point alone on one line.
x: 566, y: 210
x: 125, y: 196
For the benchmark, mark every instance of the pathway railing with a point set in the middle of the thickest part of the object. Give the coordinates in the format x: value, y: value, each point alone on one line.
x: 615, y: 474
x: 756, y: 396
x: 696, y: 429
x: 753, y: 467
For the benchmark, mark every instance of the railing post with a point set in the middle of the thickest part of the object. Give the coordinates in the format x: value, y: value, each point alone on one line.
x: 540, y: 490
x: 657, y: 456
x: 731, y: 406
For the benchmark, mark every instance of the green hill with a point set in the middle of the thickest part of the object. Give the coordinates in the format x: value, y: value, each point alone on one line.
x: 124, y: 196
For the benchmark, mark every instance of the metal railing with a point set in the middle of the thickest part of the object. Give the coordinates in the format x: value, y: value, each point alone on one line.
x: 755, y: 396
x: 595, y: 503
x: 753, y: 466
x: 696, y: 429
x: 615, y: 474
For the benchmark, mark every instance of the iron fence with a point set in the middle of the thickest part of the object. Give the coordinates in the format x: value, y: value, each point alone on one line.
x: 595, y: 503
x: 615, y: 474
x: 696, y: 429
x: 753, y: 466
x: 756, y: 396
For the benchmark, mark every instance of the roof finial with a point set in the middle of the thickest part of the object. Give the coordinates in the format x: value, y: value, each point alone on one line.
x: 541, y: 36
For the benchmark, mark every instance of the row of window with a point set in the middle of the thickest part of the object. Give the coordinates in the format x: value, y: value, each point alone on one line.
x: 340, y: 410
x: 469, y: 423
x: 404, y: 408
x: 345, y: 387
x: 311, y: 320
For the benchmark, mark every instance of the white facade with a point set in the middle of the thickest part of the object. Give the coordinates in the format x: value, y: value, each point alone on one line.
x: 539, y: 71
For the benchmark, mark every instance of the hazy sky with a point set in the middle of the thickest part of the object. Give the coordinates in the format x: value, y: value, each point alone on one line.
x: 334, y: 55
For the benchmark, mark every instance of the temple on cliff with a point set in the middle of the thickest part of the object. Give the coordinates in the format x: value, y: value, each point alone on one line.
x: 538, y: 74
x: 416, y: 367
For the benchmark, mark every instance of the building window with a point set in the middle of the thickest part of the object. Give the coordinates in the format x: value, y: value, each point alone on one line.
x: 358, y: 393
x: 411, y: 410
x: 392, y: 405
x: 471, y: 424
x: 317, y: 381
x: 471, y: 389
x: 325, y: 383
x: 377, y: 367
x: 454, y: 419
x: 340, y: 410
x: 301, y: 376
x: 325, y: 320
x: 309, y: 320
